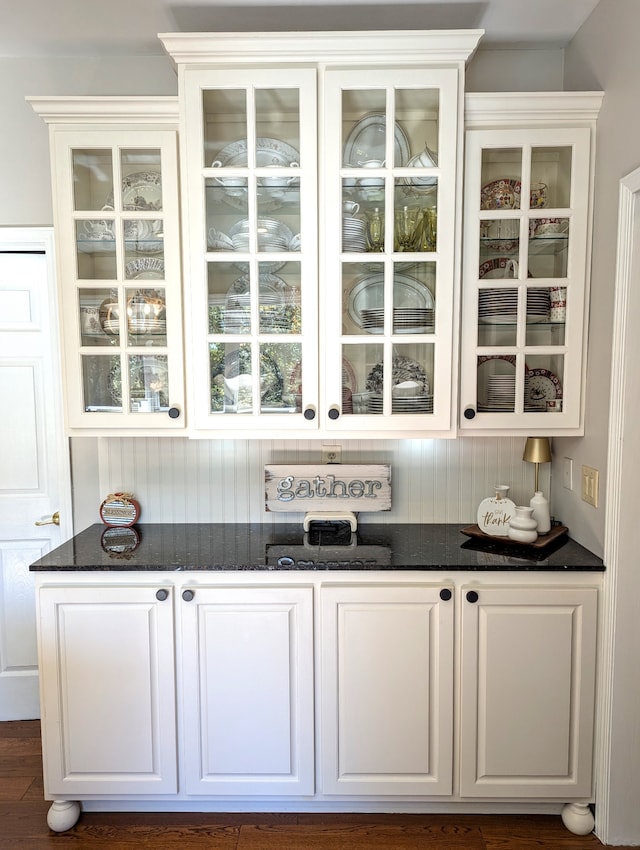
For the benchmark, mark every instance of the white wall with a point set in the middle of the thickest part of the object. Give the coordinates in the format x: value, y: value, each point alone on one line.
x: 604, y: 55
x: 223, y: 480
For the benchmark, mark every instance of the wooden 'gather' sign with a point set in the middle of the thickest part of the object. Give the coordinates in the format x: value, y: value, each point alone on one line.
x: 328, y: 487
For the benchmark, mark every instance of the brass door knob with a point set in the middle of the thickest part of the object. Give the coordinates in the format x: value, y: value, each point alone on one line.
x: 54, y: 519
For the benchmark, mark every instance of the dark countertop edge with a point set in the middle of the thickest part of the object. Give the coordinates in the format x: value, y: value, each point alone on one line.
x: 437, y: 547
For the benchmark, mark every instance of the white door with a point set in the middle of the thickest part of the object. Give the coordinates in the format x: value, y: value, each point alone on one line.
x: 34, y: 465
x: 527, y: 691
x: 247, y: 662
x: 108, y: 690
x: 387, y: 690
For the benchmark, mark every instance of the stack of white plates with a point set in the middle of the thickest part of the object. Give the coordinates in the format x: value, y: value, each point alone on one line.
x: 272, y: 235
x: 408, y: 320
x: 538, y: 305
x: 236, y: 320
x: 402, y: 404
x: 405, y: 319
x: 501, y: 393
x: 500, y: 306
x: 354, y: 235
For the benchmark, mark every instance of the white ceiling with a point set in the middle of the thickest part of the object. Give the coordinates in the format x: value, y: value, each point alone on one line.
x: 107, y: 27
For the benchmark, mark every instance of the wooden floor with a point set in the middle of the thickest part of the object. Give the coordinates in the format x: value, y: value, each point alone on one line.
x: 23, y: 822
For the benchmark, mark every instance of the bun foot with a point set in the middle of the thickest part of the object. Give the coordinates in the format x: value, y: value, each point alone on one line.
x: 63, y: 814
x: 578, y: 818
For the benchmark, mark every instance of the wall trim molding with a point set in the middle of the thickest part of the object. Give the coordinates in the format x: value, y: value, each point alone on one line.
x: 628, y: 225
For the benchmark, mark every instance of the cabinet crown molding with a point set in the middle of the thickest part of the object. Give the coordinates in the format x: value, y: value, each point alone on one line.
x: 138, y: 109
x: 407, y: 46
x: 530, y: 109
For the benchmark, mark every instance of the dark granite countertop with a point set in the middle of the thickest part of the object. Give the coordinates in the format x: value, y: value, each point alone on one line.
x: 224, y: 547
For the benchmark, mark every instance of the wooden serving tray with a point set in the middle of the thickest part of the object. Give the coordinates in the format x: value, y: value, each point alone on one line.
x: 542, y: 542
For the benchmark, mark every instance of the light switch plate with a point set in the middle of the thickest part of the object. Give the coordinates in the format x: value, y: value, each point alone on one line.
x: 590, y: 481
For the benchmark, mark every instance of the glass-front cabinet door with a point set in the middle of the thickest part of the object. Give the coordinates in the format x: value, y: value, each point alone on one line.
x: 251, y: 157
x: 524, y: 279
x: 390, y: 153
x: 119, y: 260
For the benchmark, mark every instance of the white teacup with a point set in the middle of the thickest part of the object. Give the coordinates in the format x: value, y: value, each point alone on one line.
x: 551, y: 226
x: 350, y: 207
x: 101, y: 229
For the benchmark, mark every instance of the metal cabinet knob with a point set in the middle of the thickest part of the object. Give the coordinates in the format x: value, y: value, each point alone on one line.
x: 188, y: 595
x: 334, y: 413
x: 174, y: 412
x: 162, y: 594
x: 54, y: 519
x: 445, y: 594
x: 309, y: 413
x: 469, y: 413
x: 472, y: 596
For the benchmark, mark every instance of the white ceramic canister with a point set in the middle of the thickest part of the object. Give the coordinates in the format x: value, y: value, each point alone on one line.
x: 522, y: 526
x: 541, y: 514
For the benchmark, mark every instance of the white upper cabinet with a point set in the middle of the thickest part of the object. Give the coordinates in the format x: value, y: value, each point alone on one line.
x: 319, y: 195
x: 115, y: 189
x: 527, y: 215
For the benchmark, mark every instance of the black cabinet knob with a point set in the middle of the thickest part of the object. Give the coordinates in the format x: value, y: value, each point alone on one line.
x: 309, y: 413
x: 469, y: 413
x: 188, y: 595
x: 445, y: 594
x: 334, y: 413
x: 162, y: 594
x: 174, y: 412
x: 472, y: 596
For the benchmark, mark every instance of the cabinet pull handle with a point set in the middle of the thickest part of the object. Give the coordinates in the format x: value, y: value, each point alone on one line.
x: 334, y: 413
x: 445, y: 594
x: 472, y: 596
x: 310, y: 413
x: 174, y: 412
x: 469, y: 413
x: 188, y: 595
x: 162, y: 594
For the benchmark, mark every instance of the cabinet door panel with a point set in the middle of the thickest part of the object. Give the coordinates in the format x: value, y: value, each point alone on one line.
x: 527, y: 692
x: 108, y: 691
x: 248, y: 679
x: 387, y: 673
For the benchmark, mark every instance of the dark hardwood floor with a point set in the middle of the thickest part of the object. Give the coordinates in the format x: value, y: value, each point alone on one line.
x: 23, y: 824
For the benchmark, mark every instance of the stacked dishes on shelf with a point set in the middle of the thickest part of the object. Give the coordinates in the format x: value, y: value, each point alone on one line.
x: 406, y: 320
x: 272, y: 235
x: 354, y: 234
x: 501, y: 394
x: 500, y: 306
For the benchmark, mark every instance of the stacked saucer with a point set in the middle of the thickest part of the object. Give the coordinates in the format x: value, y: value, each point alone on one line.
x: 354, y: 234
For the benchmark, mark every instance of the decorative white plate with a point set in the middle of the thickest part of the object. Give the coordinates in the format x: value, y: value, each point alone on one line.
x: 541, y: 386
x: 403, y: 369
x: 145, y: 268
x: 269, y: 152
x: 140, y: 191
x: 366, y: 141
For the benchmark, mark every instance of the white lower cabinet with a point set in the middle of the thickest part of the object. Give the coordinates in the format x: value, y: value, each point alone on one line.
x: 107, y: 690
x: 527, y: 691
x: 387, y: 690
x: 317, y: 690
x: 247, y: 674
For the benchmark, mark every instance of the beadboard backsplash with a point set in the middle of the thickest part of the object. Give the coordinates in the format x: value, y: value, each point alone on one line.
x: 432, y: 481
